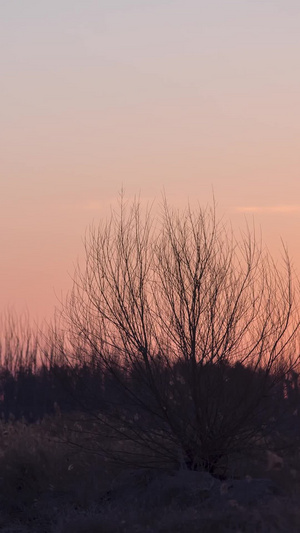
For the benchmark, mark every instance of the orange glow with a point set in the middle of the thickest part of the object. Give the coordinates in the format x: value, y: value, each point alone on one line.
x: 180, y: 97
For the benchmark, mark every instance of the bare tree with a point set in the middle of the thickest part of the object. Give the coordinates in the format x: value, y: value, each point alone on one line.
x: 195, y: 328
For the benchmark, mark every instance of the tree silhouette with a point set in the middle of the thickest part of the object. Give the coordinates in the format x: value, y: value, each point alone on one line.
x: 194, y: 328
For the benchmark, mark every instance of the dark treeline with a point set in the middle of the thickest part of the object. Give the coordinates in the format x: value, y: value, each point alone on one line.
x: 38, y: 379
x: 31, y: 392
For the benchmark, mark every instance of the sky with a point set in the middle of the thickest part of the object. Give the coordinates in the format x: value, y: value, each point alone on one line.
x: 181, y: 96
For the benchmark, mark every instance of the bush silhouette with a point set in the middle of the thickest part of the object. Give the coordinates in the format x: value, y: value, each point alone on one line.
x: 193, y: 333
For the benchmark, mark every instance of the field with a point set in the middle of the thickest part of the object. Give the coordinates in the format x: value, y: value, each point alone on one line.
x: 48, y: 485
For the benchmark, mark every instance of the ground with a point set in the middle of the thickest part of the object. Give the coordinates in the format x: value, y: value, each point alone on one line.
x: 46, y: 486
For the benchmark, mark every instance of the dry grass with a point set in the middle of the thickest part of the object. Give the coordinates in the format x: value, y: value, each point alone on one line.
x: 48, y: 486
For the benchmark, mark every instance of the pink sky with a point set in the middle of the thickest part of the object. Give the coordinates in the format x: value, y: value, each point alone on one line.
x: 181, y: 96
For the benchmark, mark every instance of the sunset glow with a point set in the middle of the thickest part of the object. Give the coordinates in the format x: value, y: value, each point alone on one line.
x: 187, y: 98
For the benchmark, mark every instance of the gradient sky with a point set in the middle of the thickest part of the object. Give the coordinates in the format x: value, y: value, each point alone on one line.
x: 185, y: 96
